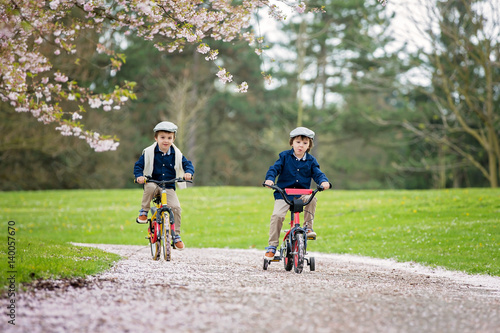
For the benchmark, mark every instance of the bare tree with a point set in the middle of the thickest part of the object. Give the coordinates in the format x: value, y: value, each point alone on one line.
x: 463, y: 63
x: 184, y: 105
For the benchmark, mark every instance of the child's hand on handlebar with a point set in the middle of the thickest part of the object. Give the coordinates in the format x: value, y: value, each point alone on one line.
x: 325, y: 185
x: 269, y: 182
x: 188, y: 176
x: 140, y: 180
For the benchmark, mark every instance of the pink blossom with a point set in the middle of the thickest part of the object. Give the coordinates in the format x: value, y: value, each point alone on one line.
x: 301, y: 7
x: 95, y: 102
x: 213, y: 55
x: 242, y: 88
x: 13, y: 96
x: 88, y: 7
x: 224, y: 76
x: 203, y: 48
x: 77, y: 131
x: 268, y: 78
x: 54, y: 4
x: 65, y: 130
x: 60, y: 77
x: 100, y: 145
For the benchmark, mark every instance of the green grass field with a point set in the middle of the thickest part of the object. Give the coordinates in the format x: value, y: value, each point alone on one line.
x: 456, y: 229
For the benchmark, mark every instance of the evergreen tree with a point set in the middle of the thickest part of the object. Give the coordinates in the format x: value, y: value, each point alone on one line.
x: 344, y: 78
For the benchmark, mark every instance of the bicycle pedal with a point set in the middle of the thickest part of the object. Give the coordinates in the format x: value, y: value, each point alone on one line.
x: 311, y: 237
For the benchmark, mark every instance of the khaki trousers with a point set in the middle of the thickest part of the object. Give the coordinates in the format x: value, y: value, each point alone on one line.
x: 151, y: 190
x: 279, y: 213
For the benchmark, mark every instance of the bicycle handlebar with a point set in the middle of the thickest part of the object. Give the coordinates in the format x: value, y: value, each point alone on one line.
x: 285, y: 197
x: 165, y: 182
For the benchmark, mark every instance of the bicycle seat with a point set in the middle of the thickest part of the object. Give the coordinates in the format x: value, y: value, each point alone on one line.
x: 298, y: 191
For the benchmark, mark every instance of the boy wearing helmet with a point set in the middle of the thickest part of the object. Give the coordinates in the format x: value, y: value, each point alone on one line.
x: 295, y: 168
x: 163, y: 161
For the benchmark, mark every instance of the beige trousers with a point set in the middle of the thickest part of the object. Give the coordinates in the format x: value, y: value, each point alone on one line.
x: 279, y: 213
x: 151, y: 190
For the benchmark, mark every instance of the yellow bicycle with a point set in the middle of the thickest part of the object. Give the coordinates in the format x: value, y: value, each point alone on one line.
x: 161, y: 236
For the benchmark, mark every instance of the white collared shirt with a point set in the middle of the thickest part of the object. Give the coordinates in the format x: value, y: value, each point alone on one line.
x: 168, y: 152
x: 300, y: 159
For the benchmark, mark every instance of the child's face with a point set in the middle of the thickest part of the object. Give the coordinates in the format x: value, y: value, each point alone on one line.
x: 165, y: 140
x: 300, y: 145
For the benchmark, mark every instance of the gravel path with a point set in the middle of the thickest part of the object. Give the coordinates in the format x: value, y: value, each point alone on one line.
x: 223, y: 290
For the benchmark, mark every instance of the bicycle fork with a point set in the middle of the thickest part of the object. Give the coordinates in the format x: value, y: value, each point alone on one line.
x: 295, y: 228
x: 164, y: 208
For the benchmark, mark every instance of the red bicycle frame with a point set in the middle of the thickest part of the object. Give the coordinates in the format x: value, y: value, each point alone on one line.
x: 295, y: 217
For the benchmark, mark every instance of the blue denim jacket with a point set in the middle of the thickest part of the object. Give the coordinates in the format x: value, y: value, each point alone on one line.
x: 295, y: 173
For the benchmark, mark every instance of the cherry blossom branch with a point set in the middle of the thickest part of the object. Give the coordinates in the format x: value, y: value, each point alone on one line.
x: 29, y: 82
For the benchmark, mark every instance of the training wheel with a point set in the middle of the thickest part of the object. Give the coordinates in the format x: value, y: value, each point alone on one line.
x: 266, y: 264
x: 312, y: 264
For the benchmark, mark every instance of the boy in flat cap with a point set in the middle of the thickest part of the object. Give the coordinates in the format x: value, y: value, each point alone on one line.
x: 295, y: 168
x: 163, y: 161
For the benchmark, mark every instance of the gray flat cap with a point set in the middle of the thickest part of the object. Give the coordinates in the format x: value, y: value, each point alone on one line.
x: 302, y: 131
x: 166, y: 126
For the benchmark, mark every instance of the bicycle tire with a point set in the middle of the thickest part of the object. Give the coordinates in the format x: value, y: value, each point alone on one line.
x: 287, y: 258
x: 155, y: 244
x: 312, y: 264
x: 165, y: 239
x: 298, y: 253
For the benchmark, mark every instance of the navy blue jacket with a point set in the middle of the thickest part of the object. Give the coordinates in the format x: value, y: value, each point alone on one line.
x: 295, y: 173
x: 163, y: 167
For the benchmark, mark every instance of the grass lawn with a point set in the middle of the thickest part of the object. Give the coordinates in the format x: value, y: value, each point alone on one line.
x: 457, y: 229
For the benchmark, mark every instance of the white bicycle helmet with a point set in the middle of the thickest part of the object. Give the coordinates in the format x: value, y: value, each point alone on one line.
x: 166, y: 126
x: 302, y: 131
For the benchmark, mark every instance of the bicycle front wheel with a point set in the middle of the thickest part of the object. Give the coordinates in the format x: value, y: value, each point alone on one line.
x: 154, y: 241
x: 298, y: 253
x: 287, y: 257
x: 165, y: 239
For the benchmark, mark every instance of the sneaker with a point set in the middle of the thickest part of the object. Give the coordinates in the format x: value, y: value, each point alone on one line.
x: 178, y: 243
x: 270, y: 253
x: 143, y: 217
x: 311, y: 234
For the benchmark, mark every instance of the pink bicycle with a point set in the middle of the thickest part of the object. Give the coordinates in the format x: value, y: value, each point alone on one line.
x: 293, y: 249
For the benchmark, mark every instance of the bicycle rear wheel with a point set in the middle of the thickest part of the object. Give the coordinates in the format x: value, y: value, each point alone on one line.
x: 165, y: 239
x: 298, y: 253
